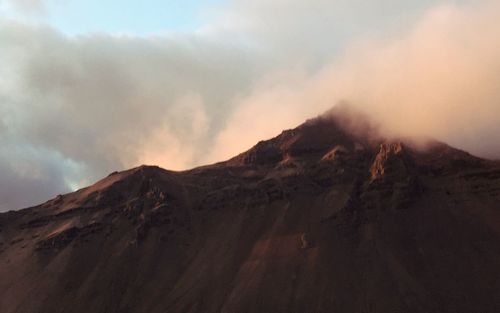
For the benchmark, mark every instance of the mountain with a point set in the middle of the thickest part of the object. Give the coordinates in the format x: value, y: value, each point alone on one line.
x: 326, y: 217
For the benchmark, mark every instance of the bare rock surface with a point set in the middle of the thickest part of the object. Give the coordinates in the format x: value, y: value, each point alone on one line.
x: 322, y: 218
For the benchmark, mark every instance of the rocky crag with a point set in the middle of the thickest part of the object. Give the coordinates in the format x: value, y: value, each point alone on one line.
x: 322, y: 218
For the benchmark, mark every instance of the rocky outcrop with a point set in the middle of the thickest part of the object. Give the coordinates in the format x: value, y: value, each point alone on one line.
x: 389, y: 160
x: 324, y: 217
x: 62, y: 238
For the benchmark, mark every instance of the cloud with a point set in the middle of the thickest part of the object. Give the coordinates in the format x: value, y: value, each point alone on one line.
x: 30, y: 175
x: 314, y: 31
x: 107, y: 103
x: 27, y: 6
x: 439, y: 79
x: 73, y: 109
x: 180, y: 142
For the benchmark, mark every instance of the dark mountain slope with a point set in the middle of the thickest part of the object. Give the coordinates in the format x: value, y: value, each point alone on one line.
x: 322, y: 218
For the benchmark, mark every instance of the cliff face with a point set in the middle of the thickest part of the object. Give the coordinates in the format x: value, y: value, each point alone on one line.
x: 318, y: 219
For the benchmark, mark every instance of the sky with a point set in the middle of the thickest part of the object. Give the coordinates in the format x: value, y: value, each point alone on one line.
x: 88, y: 87
x: 73, y: 17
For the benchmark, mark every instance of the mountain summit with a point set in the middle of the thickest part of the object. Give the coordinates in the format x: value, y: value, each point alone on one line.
x: 326, y: 217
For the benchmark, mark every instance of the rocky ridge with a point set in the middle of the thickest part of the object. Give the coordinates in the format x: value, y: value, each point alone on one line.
x: 321, y: 218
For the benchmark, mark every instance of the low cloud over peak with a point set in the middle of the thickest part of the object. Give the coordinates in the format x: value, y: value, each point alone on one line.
x: 74, y: 109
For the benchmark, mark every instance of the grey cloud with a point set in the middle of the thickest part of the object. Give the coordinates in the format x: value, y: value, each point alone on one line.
x: 314, y: 31
x: 27, y: 6
x: 107, y: 103
x: 29, y: 175
x: 76, y: 108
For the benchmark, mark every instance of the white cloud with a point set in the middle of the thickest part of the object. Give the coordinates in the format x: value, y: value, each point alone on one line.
x: 26, y: 6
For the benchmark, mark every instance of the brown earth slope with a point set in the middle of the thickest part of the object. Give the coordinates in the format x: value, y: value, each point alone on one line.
x: 318, y: 219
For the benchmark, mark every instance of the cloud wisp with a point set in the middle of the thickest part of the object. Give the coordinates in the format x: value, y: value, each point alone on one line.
x: 438, y: 79
x: 74, y: 109
x: 26, y: 6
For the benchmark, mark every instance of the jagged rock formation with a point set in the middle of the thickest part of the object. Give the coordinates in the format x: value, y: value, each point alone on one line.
x: 321, y: 218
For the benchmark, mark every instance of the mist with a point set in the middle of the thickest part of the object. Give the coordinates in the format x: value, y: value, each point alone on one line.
x: 75, y: 108
x: 439, y: 79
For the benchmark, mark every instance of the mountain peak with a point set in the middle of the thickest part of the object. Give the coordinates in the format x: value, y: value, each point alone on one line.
x: 347, y: 133
x: 326, y: 215
x: 340, y: 127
